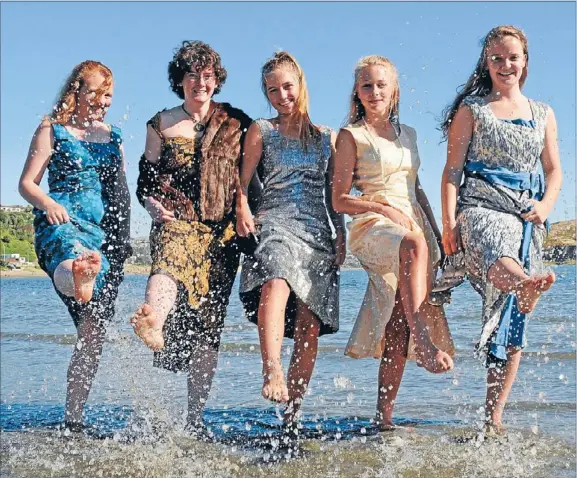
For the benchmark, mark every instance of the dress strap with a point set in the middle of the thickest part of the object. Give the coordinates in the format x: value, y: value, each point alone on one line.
x: 115, y: 135
x: 154, y: 122
x: 60, y: 132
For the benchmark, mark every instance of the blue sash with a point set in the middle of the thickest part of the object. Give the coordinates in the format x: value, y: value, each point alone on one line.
x: 518, y: 181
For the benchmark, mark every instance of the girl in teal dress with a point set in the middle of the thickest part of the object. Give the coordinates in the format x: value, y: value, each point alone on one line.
x: 82, y: 225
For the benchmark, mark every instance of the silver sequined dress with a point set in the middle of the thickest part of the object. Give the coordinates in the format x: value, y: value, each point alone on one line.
x: 295, y: 237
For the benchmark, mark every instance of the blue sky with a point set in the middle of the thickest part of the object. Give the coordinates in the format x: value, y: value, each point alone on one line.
x: 434, y: 46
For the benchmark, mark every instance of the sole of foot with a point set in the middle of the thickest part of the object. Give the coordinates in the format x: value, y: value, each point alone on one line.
x: 529, y: 291
x: 147, y: 326
x: 84, y: 271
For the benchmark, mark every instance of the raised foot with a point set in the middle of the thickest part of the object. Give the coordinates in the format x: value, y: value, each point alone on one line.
x: 529, y: 291
x: 148, y: 327
x: 274, y: 386
x: 84, y: 271
x: 434, y: 360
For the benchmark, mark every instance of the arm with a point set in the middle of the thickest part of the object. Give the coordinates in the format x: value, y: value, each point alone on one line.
x: 252, y: 154
x: 148, y: 186
x: 344, y: 167
x: 460, y: 134
x: 39, y: 154
x: 336, y: 218
x: 553, y: 174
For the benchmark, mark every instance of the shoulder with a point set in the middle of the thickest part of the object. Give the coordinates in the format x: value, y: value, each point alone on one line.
x: 472, y: 100
x: 542, y: 109
x: 156, y: 121
x: 236, y: 113
x: 355, y: 130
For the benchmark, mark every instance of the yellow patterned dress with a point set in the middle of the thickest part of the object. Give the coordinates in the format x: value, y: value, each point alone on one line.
x: 386, y: 173
x: 199, y: 249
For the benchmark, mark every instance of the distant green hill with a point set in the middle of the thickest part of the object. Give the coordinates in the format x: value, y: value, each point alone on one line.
x: 17, y: 234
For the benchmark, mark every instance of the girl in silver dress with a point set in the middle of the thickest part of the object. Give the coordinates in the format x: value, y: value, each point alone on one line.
x: 498, y: 138
x: 290, y: 285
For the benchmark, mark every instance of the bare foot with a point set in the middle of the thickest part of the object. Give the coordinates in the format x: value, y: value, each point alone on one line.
x: 84, y: 271
x: 274, y: 386
x: 529, y: 291
x: 148, y: 327
x: 434, y: 360
x: 494, y: 429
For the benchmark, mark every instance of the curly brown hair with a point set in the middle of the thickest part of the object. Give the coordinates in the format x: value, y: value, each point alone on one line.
x: 65, y: 105
x: 194, y: 56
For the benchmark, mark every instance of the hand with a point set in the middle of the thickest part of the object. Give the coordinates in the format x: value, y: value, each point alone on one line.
x: 340, y: 244
x: 397, y: 217
x: 538, y: 214
x: 56, y: 214
x: 244, y: 222
x: 451, y: 240
x: 157, y: 211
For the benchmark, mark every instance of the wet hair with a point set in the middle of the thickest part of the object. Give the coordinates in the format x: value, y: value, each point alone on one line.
x: 194, y: 56
x: 480, y: 83
x: 356, y: 108
x: 65, y: 105
x: 308, y: 132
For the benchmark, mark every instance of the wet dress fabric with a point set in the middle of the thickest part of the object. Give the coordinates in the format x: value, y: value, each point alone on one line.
x: 295, y: 237
x: 489, y: 219
x: 88, y: 180
x: 196, y: 178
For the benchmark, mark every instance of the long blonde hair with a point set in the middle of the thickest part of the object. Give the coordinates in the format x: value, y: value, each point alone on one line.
x: 67, y: 101
x: 480, y: 83
x: 356, y: 108
x: 308, y: 132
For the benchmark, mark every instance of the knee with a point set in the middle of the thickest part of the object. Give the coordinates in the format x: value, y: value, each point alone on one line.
x: 414, y: 246
x: 274, y: 286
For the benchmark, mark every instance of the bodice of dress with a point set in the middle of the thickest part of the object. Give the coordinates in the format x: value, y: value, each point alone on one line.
x: 386, y: 171
x: 293, y: 179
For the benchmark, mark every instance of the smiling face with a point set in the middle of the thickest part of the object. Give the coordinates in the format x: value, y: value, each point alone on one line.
x: 199, y: 85
x: 95, y: 97
x: 506, y: 61
x: 375, y: 88
x: 282, y: 90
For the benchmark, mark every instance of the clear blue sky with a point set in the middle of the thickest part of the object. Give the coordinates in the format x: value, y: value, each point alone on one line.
x: 434, y: 46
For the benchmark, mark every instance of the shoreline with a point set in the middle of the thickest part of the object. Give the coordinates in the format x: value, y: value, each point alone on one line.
x: 140, y: 269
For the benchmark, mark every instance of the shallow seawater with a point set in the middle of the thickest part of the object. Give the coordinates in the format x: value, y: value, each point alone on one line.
x: 136, y: 413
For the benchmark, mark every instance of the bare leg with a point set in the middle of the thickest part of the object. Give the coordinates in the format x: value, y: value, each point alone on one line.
x: 148, y: 321
x: 204, y: 362
x: 413, y: 286
x: 75, y: 278
x: 507, y: 275
x: 392, y: 365
x: 271, y: 316
x: 83, y: 367
x: 499, y: 384
x: 307, y: 329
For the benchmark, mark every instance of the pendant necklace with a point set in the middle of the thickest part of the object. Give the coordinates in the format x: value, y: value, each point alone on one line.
x: 198, y: 126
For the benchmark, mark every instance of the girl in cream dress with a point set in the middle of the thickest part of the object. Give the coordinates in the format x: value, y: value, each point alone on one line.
x: 392, y: 233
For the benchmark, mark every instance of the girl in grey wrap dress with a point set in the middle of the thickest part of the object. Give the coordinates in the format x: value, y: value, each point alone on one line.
x: 290, y: 285
x: 498, y: 138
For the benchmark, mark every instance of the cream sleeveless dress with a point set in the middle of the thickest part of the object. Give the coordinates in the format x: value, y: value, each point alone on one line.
x: 386, y: 173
